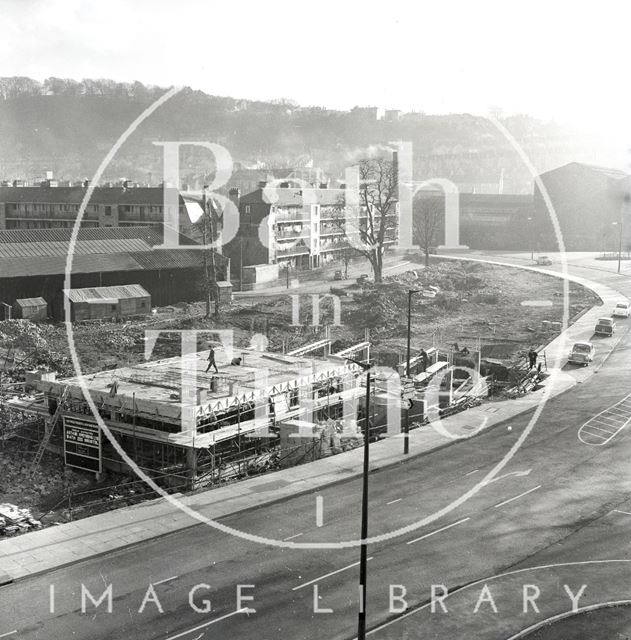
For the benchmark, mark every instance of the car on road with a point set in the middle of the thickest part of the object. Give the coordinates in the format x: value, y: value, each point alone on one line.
x: 582, y: 353
x: 605, y: 327
x: 543, y: 260
x: 363, y: 279
x: 338, y: 275
x: 621, y: 310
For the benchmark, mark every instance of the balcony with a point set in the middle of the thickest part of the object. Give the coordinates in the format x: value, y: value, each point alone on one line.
x: 294, y: 251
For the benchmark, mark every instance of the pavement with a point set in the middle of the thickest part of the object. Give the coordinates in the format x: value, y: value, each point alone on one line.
x: 54, y: 547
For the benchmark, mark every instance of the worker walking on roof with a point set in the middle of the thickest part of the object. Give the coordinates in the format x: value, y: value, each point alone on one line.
x: 211, y: 360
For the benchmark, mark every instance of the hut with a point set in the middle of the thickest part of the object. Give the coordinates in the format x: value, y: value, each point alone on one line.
x: 31, y: 309
x: 108, y: 303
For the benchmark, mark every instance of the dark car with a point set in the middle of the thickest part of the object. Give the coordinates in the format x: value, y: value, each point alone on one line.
x: 338, y: 275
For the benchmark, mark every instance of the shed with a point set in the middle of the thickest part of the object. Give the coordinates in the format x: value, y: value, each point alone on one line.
x: 108, y: 303
x: 31, y: 308
x: 224, y: 291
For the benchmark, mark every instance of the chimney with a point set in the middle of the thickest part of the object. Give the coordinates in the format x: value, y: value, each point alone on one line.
x: 235, y: 195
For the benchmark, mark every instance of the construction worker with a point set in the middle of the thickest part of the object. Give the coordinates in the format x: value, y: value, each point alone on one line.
x: 424, y: 360
x: 211, y: 360
x: 532, y: 358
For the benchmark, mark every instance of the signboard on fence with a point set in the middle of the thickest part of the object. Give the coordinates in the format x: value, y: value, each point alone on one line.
x: 82, y: 444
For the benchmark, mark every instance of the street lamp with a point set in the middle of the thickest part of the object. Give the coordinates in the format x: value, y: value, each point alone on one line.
x: 619, y: 225
x: 363, y: 548
x: 406, y: 426
x: 532, y: 238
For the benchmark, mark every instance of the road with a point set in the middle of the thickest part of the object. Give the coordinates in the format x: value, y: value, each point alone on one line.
x: 558, y: 500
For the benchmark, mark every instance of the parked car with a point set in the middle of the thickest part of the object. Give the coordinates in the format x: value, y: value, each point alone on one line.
x: 338, y: 275
x: 582, y: 353
x: 363, y: 279
x: 622, y: 310
x: 605, y: 327
x: 543, y: 260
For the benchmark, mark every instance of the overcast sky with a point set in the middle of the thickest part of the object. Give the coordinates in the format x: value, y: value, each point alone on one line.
x: 554, y: 59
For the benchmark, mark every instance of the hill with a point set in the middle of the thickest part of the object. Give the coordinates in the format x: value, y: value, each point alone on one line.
x: 68, y: 127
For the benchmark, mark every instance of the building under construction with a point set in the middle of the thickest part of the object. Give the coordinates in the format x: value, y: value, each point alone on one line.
x: 183, y: 422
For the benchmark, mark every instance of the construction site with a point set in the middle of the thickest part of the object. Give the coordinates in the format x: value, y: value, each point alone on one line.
x: 294, y: 396
x: 185, y: 425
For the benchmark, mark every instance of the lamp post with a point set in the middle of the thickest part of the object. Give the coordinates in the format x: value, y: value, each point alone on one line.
x: 532, y: 238
x: 406, y: 426
x: 363, y: 548
x: 619, y: 225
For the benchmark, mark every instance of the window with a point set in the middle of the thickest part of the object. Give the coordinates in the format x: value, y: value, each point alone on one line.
x: 248, y: 209
x: 108, y: 211
x: 113, y: 307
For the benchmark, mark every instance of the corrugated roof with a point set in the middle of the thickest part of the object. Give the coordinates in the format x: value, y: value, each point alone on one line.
x: 92, y: 294
x: 150, y: 235
x: 56, y: 265
x: 97, y: 250
x: 31, y: 302
x: 85, y: 247
x: 168, y: 259
x: 74, y: 195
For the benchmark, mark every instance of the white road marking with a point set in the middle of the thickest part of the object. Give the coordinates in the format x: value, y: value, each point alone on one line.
x: 472, y: 472
x: 10, y: 633
x: 610, y: 421
x: 328, y: 575
x: 521, y: 495
x: 165, y: 580
x: 319, y: 511
x: 626, y: 513
x: 433, y: 533
x: 393, y: 501
x: 519, y: 474
x: 207, y: 624
x: 296, y: 535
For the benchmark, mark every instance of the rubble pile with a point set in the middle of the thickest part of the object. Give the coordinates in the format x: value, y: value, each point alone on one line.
x: 14, y: 520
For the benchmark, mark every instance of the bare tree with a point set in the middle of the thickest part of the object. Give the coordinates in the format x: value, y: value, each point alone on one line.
x: 376, y: 225
x: 428, y: 215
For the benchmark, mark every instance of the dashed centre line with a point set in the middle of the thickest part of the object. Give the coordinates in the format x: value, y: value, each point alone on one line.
x: 296, y: 535
x: 521, y: 495
x: 328, y: 575
x: 433, y: 533
x: 393, y: 501
x: 10, y: 633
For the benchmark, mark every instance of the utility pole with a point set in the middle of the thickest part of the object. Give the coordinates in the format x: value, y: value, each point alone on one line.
x: 619, y: 242
x: 204, y: 255
x: 208, y: 237
x: 406, y: 426
x: 363, y: 548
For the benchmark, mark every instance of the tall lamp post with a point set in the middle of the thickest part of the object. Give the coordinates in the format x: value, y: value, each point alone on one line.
x: 363, y: 548
x: 532, y: 238
x: 619, y: 225
x: 406, y: 426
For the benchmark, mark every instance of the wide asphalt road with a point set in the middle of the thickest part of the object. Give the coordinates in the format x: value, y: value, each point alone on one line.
x: 552, y: 491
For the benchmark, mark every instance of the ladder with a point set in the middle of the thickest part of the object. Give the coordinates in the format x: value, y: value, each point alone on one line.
x: 49, y: 429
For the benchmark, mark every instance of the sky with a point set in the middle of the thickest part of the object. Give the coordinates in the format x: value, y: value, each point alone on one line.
x: 557, y: 59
